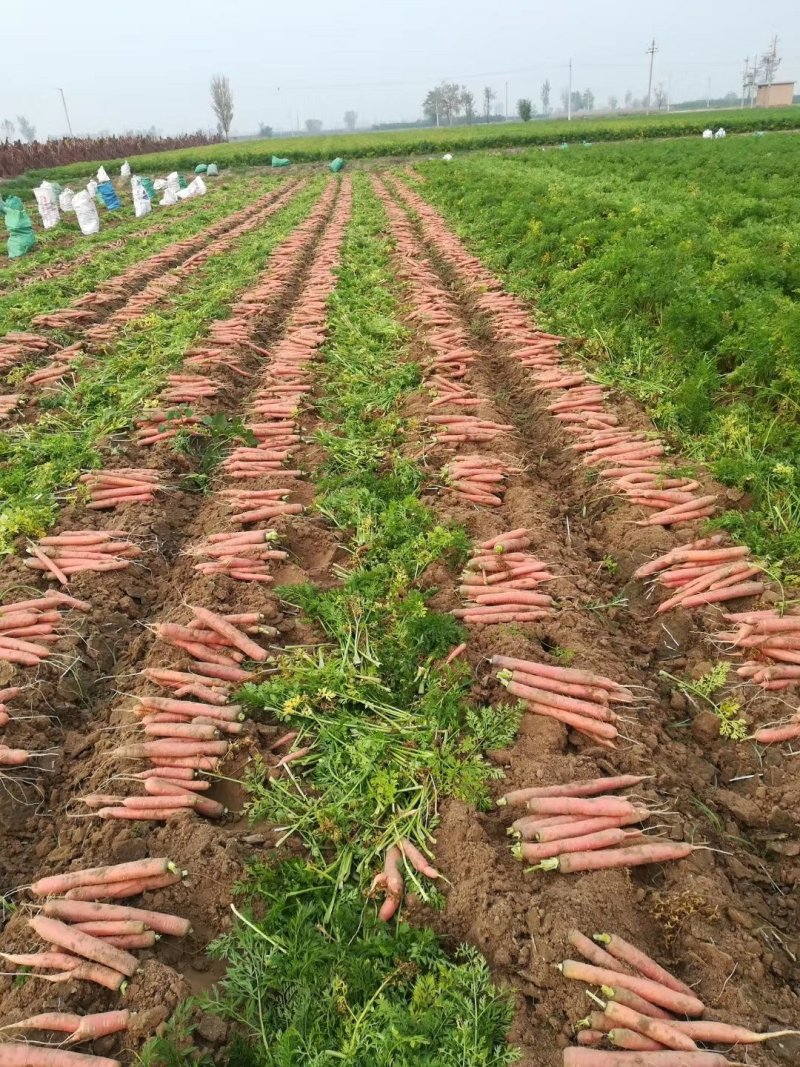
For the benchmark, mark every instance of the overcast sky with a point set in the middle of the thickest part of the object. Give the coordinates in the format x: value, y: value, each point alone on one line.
x: 134, y: 65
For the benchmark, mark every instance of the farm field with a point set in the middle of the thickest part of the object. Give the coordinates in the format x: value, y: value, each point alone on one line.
x: 303, y: 577
x: 378, y: 144
x: 677, y: 263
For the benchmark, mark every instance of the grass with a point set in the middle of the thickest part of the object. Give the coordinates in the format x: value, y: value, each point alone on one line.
x: 18, y: 307
x: 312, y: 976
x: 678, y: 263
x: 39, y: 459
x: 428, y: 139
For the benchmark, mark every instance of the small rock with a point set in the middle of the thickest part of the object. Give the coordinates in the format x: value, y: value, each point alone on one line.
x: 705, y: 727
x: 212, y: 1029
x: 677, y: 701
x: 254, y: 839
x: 740, y: 918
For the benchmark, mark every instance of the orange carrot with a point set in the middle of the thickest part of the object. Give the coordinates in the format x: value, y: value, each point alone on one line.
x: 90, y: 948
x: 84, y: 911
x: 60, y: 883
x: 657, y: 1029
x: 630, y: 1039
x: 62, y: 1021
x: 632, y: 856
x: 626, y: 952
x: 26, y: 1055
x: 53, y: 961
x: 100, y: 1024
x: 598, y: 807
x: 534, y: 853
x: 229, y: 631
x: 679, y: 1003
x: 590, y: 787
x: 590, y: 1057
x: 631, y: 1000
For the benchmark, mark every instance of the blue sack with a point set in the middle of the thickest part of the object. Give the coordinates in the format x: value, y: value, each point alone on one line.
x: 108, y: 193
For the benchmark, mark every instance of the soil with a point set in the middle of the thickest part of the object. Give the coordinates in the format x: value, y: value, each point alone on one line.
x: 726, y: 921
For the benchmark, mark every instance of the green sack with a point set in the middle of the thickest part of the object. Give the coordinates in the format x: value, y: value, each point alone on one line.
x: 336, y: 164
x: 181, y: 181
x: 278, y: 162
x: 149, y: 188
x: 201, y: 168
x: 21, y: 238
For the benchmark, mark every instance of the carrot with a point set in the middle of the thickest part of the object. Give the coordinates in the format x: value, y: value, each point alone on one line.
x: 578, y: 827
x: 590, y: 787
x: 589, y: 1037
x: 25, y: 1055
x: 129, y: 888
x: 724, y: 1033
x: 85, y: 911
x: 60, y: 883
x: 54, y: 961
x: 771, y: 735
x: 112, y: 928
x: 600, y: 732
x: 626, y: 952
x: 600, y: 839
x: 599, y: 807
x: 630, y: 1039
x: 656, y: 1029
x: 128, y: 941
x: 49, y: 565
x: 590, y: 1057
x: 62, y: 1021
x: 90, y: 948
x: 631, y: 856
x: 592, y: 952
x: 100, y: 1024
x: 585, y: 708
x: 679, y: 1003
x: 631, y: 1000
x: 417, y: 859
x: 228, y: 631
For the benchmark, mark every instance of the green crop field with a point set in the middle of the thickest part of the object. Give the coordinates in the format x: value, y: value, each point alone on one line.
x: 680, y: 264
x: 426, y: 140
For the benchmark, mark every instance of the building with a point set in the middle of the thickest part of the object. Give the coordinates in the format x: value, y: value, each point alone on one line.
x: 779, y: 94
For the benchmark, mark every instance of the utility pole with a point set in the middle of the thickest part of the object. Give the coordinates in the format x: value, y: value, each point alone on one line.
x: 506, y: 101
x: 708, y: 93
x: 569, y: 95
x: 64, y: 102
x: 651, y: 51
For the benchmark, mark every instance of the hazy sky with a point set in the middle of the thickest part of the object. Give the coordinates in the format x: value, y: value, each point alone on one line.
x: 131, y: 65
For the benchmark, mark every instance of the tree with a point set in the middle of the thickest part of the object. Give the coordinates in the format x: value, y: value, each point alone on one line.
x: 524, y: 109
x: 222, y: 103
x: 468, y: 104
x: 587, y: 101
x: 660, y: 96
x: 432, y: 106
x: 628, y: 98
x: 451, y: 100
x: 544, y: 94
x: 264, y: 130
x: 489, y: 97
x: 350, y: 119
x: 313, y: 125
x: 7, y: 128
x: 613, y: 102
x: 27, y: 130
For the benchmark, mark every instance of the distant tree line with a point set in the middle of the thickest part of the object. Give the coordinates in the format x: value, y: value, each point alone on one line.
x: 18, y: 156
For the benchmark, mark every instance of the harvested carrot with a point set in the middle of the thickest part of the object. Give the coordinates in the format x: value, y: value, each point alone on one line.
x: 53, y: 961
x: 60, y: 883
x: 90, y: 948
x: 25, y: 1055
x: 84, y: 911
x: 657, y: 1030
x: 632, y: 856
x: 100, y: 1024
x: 592, y: 952
x: 590, y: 1057
x: 598, y: 807
x: 591, y: 787
x: 626, y: 952
x: 679, y: 1003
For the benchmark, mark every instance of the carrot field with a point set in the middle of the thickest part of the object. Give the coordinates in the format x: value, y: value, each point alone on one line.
x: 398, y: 636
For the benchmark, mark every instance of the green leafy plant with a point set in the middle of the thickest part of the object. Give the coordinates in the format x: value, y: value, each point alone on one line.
x: 731, y: 725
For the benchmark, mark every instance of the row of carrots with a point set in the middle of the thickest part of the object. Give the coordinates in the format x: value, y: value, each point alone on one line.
x: 705, y: 571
